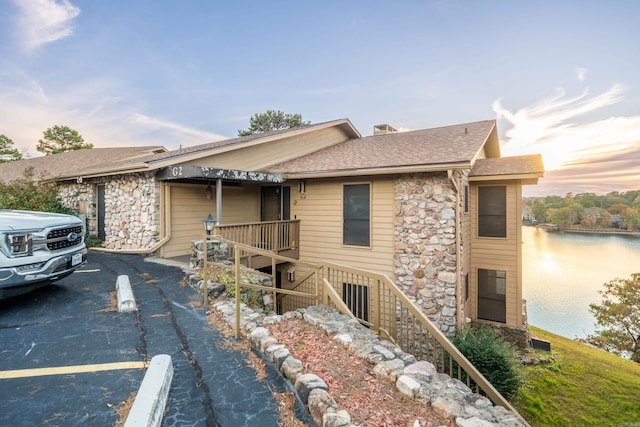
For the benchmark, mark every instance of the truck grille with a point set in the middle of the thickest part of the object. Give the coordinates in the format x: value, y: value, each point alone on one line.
x: 59, y: 239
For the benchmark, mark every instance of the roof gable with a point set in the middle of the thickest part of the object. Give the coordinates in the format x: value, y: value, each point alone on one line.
x: 206, y: 150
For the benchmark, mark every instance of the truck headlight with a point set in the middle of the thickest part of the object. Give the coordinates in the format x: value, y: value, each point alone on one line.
x: 18, y: 244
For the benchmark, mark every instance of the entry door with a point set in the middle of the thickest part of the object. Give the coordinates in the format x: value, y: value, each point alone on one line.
x: 274, y: 204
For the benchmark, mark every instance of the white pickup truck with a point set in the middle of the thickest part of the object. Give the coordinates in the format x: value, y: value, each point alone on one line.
x: 37, y: 248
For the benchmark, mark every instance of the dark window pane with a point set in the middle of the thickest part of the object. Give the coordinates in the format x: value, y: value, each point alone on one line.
x: 357, y: 299
x: 492, y: 289
x: 466, y: 198
x: 492, y: 211
x: 356, y: 215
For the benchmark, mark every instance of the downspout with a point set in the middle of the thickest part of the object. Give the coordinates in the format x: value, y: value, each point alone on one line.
x: 164, y: 225
x: 459, y: 301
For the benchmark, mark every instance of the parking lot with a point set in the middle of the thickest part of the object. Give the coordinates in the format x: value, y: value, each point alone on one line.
x: 68, y: 357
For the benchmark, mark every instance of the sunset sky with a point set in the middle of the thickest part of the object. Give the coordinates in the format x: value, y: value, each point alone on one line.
x: 562, y: 78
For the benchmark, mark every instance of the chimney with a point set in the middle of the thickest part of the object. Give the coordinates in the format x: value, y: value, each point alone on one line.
x: 383, y: 129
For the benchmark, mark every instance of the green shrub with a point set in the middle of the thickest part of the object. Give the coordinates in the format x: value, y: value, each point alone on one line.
x: 92, y: 241
x: 496, y: 359
x: 27, y: 194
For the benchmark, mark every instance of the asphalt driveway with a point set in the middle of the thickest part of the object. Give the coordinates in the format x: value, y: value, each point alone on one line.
x: 68, y: 357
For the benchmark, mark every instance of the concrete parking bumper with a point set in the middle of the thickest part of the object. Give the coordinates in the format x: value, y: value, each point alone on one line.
x: 126, y: 301
x: 148, y: 406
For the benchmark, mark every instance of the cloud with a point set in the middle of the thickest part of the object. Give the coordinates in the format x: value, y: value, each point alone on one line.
x: 580, y: 154
x: 45, y: 21
x: 101, y: 109
x: 582, y: 73
x: 181, y: 132
x: 549, y: 126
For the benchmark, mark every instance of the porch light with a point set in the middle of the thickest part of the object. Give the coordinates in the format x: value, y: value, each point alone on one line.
x: 208, y: 222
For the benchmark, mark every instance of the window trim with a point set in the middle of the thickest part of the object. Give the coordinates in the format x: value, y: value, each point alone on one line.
x: 350, y: 245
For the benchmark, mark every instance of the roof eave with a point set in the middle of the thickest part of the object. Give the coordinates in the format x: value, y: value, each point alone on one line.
x: 95, y: 173
x: 526, y: 178
x: 375, y: 171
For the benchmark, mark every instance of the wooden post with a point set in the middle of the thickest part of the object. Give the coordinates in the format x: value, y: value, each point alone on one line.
x: 376, y: 305
x: 274, y: 283
x: 237, y: 260
x: 205, y: 278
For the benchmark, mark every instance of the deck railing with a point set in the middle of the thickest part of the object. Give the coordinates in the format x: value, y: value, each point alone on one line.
x: 275, y: 236
x: 377, y: 303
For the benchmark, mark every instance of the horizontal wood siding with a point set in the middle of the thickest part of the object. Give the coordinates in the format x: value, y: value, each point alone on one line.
x: 319, y: 210
x: 498, y: 254
x: 260, y: 156
x: 189, y: 207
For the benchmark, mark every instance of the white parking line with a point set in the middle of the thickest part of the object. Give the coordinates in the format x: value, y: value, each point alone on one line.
x: 67, y: 370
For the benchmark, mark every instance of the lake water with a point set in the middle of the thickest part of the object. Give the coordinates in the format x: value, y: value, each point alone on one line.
x: 563, y: 272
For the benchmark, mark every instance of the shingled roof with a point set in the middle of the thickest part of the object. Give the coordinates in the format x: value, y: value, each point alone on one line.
x: 106, y: 161
x: 457, y: 146
x: 72, y: 163
x: 529, y: 166
x: 429, y: 149
x: 233, y: 143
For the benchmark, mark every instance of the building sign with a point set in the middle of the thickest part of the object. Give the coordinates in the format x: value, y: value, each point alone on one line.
x: 182, y: 172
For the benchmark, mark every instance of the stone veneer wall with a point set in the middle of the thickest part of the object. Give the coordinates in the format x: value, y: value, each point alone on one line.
x: 81, y: 199
x: 132, y: 208
x: 425, y: 245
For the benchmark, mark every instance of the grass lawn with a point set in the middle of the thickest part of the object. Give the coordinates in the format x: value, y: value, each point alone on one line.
x: 583, y: 387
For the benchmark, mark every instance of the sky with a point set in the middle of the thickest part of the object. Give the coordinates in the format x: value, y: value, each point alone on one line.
x: 562, y: 78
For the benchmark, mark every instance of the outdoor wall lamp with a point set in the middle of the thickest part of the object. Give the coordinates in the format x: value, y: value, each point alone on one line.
x: 302, y: 186
x: 208, y: 222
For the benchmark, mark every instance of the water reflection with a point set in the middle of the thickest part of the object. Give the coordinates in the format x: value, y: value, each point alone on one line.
x: 562, y: 273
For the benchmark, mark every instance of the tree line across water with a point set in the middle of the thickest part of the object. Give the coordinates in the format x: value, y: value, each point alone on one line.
x: 619, y: 210
x: 618, y: 315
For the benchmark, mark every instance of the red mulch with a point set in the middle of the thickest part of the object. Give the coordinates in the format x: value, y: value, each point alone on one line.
x: 371, y: 401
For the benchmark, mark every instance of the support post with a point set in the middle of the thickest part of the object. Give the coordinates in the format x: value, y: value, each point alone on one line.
x: 219, y: 201
x: 237, y: 261
x: 376, y: 305
x: 205, y: 278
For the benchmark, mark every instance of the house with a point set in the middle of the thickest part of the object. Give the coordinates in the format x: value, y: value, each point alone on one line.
x: 437, y: 210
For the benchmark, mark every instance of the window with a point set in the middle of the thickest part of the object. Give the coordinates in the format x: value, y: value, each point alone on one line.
x: 492, y: 211
x: 492, y: 290
x: 466, y: 287
x: 357, y: 299
x: 466, y: 198
x: 356, y: 215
